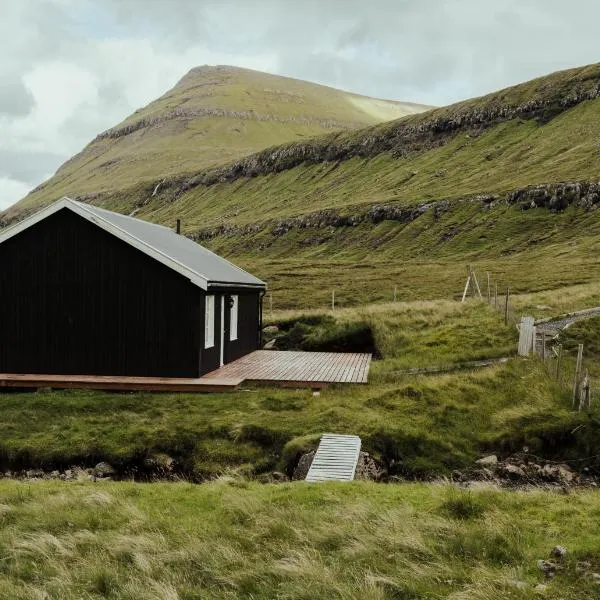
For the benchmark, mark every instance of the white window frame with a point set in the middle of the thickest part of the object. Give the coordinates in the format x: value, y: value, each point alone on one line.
x: 234, y: 317
x: 209, y: 321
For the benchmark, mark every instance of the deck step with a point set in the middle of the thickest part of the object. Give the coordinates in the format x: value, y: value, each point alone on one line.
x: 335, y: 459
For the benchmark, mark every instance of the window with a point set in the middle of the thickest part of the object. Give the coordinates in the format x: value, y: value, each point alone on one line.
x: 233, y: 326
x: 209, y: 322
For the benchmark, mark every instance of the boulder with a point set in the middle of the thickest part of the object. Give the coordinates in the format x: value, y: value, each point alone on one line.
x: 160, y: 462
x: 367, y: 469
x: 103, y: 469
x: 488, y: 461
x: 301, y: 470
x: 559, y: 552
x: 547, y: 567
x: 513, y: 471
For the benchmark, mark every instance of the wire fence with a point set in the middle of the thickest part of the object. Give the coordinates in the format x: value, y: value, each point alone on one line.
x: 569, y: 366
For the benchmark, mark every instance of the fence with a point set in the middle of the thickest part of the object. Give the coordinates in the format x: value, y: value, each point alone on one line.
x: 492, y: 292
x: 566, y: 365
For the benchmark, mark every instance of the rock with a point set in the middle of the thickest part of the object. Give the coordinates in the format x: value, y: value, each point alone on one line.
x: 271, y: 329
x: 104, y: 469
x: 160, y: 462
x: 547, y: 567
x: 541, y: 588
x: 270, y: 345
x: 278, y: 476
x: 79, y: 474
x: 513, y: 471
x: 594, y: 577
x: 301, y: 470
x: 55, y: 474
x: 487, y: 461
x: 558, y: 552
x: 34, y: 474
x: 367, y: 469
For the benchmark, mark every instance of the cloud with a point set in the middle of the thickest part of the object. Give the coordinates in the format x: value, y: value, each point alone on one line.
x: 73, y: 68
x: 11, y: 189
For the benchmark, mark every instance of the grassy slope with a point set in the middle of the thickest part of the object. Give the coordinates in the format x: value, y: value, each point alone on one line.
x: 507, y: 156
x: 259, y: 110
x: 415, y: 425
x: 234, y: 540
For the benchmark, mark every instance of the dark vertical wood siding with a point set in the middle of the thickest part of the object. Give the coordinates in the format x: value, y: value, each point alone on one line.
x: 76, y: 300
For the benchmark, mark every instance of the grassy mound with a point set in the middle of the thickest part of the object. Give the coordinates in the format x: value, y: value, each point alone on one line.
x: 233, y: 540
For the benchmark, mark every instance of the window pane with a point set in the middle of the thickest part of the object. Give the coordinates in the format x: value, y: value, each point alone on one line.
x: 233, y: 327
x: 209, y: 322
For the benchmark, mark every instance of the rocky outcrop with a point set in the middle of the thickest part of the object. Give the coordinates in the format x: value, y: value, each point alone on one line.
x: 557, y: 196
x: 550, y: 97
x: 183, y: 114
x: 333, y: 218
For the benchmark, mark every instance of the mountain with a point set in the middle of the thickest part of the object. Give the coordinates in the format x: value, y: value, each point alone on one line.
x: 508, y: 181
x: 212, y: 116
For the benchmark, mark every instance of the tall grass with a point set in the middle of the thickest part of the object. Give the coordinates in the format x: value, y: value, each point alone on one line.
x: 220, y: 540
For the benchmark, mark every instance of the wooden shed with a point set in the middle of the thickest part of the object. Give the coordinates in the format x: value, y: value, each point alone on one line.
x: 87, y: 291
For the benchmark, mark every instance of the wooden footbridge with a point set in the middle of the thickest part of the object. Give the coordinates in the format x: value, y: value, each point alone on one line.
x: 336, y: 458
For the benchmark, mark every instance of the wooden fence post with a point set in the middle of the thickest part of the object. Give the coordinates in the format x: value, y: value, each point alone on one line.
x: 466, y: 287
x: 506, y: 307
x: 584, y: 391
x: 271, y: 303
x: 477, y: 285
x: 395, y: 292
x: 525, y: 335
x: 544, y: 345
x: 577, y: 372
x: 558, y: 361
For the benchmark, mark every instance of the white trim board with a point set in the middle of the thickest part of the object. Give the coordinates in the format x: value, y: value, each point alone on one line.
x: 83, y: 211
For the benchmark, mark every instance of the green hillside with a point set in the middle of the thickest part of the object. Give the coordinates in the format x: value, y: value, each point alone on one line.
x: 212, y: 116
x: 507, y: 181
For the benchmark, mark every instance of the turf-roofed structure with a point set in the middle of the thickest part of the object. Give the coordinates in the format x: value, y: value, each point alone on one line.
x: 87, y: 291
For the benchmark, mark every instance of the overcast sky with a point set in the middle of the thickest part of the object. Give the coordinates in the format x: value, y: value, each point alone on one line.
x: 72, y: 68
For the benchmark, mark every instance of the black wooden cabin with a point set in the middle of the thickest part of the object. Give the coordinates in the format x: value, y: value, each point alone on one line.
x: 85, y: 291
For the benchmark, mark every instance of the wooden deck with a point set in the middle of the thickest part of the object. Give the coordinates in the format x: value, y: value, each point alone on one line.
x: 98, y: 382
x: 291, y: 368
x: 335, y: 459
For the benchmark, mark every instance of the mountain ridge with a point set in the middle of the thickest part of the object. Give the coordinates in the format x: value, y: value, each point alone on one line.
x: 212, y: 116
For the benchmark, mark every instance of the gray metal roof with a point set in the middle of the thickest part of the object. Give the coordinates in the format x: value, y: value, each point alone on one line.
x: 195, y: 257
x: 203, y: 267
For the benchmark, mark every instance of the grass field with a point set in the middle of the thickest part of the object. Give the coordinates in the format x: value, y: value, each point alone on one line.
x: 232, y: 539
x: 417, y: 426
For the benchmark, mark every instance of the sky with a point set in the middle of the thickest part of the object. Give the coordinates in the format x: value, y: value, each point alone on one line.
x: 70, y: 69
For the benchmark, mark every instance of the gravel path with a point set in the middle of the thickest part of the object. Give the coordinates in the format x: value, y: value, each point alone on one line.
x: 563, y: 321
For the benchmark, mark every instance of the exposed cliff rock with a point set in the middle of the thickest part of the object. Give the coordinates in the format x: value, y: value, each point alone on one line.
x: 409, y: 134
x: 557, y: 196
x: 331, y: 217
x: 182, y: 114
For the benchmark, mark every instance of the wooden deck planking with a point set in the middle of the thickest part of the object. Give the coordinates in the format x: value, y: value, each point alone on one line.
x: 296, y: 367
x: 265, y: 365
x: 115, y: 383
